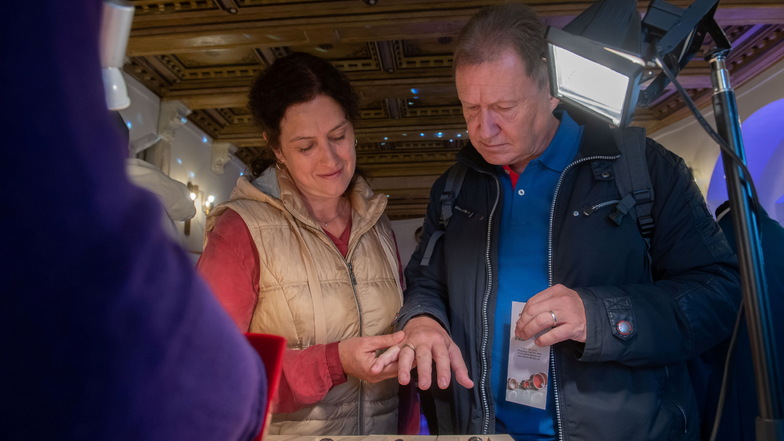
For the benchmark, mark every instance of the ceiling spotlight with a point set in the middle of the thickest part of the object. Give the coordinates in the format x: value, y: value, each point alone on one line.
x: 227, y: 5
x: 370, y: 2
x: 116, y: 20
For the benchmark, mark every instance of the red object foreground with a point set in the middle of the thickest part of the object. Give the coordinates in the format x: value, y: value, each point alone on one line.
x: 270, y: 349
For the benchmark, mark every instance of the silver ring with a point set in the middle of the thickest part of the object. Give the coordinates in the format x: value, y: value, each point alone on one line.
x: 408, y: 345
x: 555, y: 319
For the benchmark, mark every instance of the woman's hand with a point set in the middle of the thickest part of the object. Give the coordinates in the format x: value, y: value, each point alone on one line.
x: 358, y: 354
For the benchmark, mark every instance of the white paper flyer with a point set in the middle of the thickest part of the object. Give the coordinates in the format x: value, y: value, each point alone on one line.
x: 526, y: 383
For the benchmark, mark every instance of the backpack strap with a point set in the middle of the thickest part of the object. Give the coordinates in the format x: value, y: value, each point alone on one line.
x: 454, y: 180
x: 634, y: 181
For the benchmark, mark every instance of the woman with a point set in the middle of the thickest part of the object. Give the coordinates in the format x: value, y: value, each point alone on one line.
x: 304, y: 250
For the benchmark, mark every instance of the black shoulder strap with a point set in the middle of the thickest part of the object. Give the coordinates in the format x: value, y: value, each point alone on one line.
x: 454, y: 180
x: 634, y: 181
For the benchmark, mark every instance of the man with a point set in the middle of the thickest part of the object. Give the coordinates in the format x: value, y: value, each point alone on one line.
x: 530, y: 224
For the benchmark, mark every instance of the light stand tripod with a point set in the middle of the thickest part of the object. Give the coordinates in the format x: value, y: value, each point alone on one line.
x: 767, y: 366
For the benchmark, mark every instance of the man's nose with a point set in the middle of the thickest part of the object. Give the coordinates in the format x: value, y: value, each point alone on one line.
x: 487, y: 126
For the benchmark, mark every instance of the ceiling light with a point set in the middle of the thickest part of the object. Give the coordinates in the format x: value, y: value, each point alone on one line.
x: 116, y: 19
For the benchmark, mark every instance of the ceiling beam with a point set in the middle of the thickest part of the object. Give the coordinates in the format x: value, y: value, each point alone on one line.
x: 258, y: 31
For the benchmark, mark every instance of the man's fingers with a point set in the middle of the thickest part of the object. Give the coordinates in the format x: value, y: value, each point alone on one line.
x: 442, y: 359
x: 388, y: 358
x: 529, y: 326
x: 389, y: 371
x: 405, y: 362
x: 459, y: 366
x: 424, y: 360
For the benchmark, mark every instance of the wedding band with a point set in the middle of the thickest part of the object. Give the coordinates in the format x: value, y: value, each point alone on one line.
x: 555, y: 319
x: 408, y: 345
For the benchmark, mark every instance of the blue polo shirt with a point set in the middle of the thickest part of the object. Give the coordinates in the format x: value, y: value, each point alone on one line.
x: 522, y: 271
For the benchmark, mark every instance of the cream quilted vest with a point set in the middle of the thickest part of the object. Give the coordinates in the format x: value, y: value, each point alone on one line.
x: 310, y: 294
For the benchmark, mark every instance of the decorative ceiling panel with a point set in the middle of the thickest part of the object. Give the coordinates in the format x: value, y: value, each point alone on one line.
x: 397, y: 53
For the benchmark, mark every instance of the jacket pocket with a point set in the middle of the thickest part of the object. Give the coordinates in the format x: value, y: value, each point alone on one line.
x: 467, y: 212
x: 679, y: 431
x: 592, y: 207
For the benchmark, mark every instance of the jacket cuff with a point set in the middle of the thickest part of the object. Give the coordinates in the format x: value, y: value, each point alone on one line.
x: 403, y: 317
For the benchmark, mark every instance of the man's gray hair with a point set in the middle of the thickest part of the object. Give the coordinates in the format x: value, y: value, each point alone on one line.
x: 497, y: 28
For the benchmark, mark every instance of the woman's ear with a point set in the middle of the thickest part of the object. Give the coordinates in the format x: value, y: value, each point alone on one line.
x: 277, y: 153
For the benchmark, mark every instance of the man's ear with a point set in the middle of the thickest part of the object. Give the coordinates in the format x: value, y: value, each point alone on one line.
x: 554, y: 103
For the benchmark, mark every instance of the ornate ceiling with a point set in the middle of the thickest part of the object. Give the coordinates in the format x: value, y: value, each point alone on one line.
x: 397, y: 53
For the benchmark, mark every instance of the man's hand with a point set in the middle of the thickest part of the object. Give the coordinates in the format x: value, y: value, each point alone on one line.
x: 558, y: 309
x: 426, y: 343
x: 358, y: 355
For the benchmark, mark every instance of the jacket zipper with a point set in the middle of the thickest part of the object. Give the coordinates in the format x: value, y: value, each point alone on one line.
x: 483, y: 387
x: 360, y: 413
x: 589, y: 210
x: 559, y: 424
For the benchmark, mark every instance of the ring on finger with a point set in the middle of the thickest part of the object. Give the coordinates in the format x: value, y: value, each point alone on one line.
x: 408, y: 345
x: 555, y: 319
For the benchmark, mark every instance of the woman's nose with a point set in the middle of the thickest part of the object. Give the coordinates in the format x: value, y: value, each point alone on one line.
x: 330, y: 153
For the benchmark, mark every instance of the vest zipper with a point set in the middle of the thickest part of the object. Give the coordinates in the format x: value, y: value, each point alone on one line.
x: 360, y: 413
x: 559, y: 424
x: 484, y: 395
x: 353, y: 279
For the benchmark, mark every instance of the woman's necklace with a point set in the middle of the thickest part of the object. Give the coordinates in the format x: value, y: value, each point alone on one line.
x: 340, y: 211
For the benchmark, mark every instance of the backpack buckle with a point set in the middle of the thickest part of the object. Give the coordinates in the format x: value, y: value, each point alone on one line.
x: 646, y: 225
x: 643, y: 196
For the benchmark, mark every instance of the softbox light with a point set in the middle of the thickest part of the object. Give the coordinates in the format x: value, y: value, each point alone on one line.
x: 595, y: 62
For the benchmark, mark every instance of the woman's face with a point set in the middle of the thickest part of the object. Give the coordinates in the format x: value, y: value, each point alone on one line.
x: 317, y: 146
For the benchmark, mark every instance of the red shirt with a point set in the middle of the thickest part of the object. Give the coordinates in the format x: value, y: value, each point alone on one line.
x: 230, y: 265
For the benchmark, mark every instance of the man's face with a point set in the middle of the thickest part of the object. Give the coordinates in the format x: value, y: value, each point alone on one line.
x: 509, y: 117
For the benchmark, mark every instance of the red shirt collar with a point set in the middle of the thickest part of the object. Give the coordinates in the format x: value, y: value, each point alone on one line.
x: 512, y: 175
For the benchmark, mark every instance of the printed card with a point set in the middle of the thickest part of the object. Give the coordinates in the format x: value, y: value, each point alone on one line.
x: 528, y: 368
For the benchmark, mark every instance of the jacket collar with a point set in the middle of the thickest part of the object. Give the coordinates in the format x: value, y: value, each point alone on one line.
x: 277, y: 188
x: 597, y: 140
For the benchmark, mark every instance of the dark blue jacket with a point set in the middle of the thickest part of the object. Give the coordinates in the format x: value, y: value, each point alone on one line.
x: 613, y: 387
x: 108, y: 333
x: 741, y: 409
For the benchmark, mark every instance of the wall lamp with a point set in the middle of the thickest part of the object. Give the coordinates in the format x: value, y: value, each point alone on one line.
x: 206, y: 203
x: 596, y: 64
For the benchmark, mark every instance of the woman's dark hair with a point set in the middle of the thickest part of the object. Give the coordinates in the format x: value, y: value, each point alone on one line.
x: 294, y: 79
